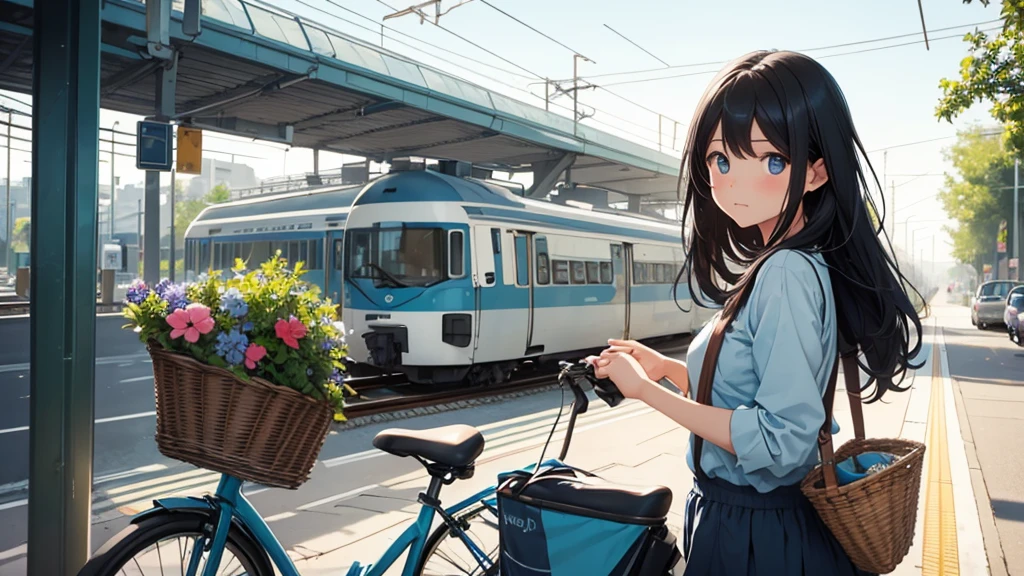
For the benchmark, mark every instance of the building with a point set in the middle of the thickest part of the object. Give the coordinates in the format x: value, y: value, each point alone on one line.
x: 215, y: 172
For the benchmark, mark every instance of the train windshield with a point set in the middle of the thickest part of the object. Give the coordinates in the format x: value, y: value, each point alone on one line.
x: 396, y: 257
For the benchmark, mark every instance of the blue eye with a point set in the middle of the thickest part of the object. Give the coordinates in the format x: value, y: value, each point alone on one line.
x: 776, y: 164
x: 723, y: 163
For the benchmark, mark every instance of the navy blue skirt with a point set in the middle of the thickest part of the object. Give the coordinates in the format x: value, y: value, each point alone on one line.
x: 734, y: 530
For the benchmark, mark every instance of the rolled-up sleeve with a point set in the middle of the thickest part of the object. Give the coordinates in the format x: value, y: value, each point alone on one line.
x: 778, y: 432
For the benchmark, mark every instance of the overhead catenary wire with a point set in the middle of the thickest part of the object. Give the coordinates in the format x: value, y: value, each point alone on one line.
x: 474, y: 44
x: 493, y: 7
x: 817, y: 49
x: 538, y: 76
x: 641, y: 48
x: 410, y: 36
x: 709, y: 72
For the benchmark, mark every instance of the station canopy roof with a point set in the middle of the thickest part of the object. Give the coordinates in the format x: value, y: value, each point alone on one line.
x: 258, y: 70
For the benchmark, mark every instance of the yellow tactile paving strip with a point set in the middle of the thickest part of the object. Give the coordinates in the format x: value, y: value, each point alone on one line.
x: 940, y: 556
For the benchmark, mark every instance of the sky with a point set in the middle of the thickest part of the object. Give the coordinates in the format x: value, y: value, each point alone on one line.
x: 892, y: 89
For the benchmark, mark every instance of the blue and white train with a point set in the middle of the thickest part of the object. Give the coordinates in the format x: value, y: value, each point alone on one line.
x: 448, y: 278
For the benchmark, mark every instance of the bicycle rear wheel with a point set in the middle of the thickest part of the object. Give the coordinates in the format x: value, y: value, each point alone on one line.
x: 163, y: 545
x: 446, y: 554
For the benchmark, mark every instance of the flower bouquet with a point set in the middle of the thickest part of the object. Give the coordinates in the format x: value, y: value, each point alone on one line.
x: 248, y: 371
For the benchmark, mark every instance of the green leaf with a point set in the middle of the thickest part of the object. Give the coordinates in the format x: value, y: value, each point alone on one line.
x: 214, y: 360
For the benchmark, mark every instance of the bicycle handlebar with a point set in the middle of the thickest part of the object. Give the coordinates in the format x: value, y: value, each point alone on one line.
x: 572, y: 374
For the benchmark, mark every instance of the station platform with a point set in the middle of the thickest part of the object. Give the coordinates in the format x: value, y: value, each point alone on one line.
x: 359, y: 499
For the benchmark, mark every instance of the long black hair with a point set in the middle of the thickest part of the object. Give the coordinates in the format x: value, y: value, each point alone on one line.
x: 802, y: 112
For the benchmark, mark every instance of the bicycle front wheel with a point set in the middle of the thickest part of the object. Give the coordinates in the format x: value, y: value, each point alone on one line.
x: 447, y: 554
x: 164, y: 544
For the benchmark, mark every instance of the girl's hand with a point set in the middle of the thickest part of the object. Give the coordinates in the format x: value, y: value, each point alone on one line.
x: 624, y: 370
x: 653, y: 362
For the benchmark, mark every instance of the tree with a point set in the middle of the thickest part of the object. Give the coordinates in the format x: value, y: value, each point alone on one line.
x: 22, y: 234
x: 187, y: 210
x: 981, y: 195
x: 992, y: 71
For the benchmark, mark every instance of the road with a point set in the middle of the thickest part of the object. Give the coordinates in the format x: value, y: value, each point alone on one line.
x: 124, y: 400
x: 988, y: 376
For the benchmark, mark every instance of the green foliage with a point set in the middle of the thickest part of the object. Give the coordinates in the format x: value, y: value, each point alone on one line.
x: 992, y: 72
x: 981, y: 195
x: 256, y: 308
x: 22, y: 234
x: 186, y: 211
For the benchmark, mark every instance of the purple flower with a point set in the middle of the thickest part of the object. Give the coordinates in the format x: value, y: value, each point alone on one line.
x: 175, y: 297
x: 231, y: 346
x: 247, y: 327
x: 173, y: 294
x: 137, y: 292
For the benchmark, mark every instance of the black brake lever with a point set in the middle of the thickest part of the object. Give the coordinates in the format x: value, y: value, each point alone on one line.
x: 605, y: 389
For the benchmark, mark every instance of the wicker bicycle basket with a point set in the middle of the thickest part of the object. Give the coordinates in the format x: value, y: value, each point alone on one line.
x: 873, y: 518
x: 256, y: 431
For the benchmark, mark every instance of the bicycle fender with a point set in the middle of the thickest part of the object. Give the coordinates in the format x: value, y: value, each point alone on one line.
x: 177, y: 504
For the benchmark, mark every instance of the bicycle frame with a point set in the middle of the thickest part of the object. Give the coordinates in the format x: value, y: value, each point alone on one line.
x: 228, y: 504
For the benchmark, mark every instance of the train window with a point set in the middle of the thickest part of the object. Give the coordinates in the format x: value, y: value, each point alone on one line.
x: 652, y: 273
x: 593, y: 273
x: 561, y: 268
x: 639, y: 273
x: 543, y: 273
x: 303, y: 254
x: 579, y: 273
x: 338, y: 253
x: 543, y: 270
x: 456, y: 254
x: 522, y: 262
x: 496, y: 240
x: 606, y: 272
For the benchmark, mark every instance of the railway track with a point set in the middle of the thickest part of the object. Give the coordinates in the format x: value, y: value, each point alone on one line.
x: 406, y: 396
x: 369, y: 406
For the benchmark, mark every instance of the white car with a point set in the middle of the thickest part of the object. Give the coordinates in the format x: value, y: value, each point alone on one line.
x: 1013, y: 313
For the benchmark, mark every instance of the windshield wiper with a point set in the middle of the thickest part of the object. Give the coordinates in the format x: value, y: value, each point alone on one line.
x: 387, y: 275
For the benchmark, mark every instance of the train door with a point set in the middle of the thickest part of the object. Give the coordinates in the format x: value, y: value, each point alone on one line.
x: 624, y: 258
x: 524, y: 281
x: 335, y: 288
x: 487, y: 275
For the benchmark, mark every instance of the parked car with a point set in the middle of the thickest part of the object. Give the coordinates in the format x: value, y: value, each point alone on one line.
x: 1014, y: 310
x: 990, y: 302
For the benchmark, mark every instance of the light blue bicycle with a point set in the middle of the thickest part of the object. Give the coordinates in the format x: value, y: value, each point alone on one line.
x: 223, y: 533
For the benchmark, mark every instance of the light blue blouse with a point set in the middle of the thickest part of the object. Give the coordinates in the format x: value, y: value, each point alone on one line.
x: 774, y: 366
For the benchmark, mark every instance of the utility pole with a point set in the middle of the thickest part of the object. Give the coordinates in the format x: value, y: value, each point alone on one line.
x: 892, y: 199
x: 576, y: 89
x: 138, y: 233
x: 1016, y: 216
x: 8, y: 208
x: 113, y: 179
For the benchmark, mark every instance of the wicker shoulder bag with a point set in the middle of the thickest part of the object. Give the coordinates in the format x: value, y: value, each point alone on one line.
x: 873, y: 518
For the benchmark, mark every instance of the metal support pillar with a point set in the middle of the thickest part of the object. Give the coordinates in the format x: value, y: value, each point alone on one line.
x: 634, y: 204
x: 65, y: 191
x: 172, y: 257
x: 166, y: 80
x: 545, y: 174
x: 316, y: 161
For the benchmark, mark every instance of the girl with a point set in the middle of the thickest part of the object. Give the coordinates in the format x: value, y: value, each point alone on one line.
x: 773, y: 185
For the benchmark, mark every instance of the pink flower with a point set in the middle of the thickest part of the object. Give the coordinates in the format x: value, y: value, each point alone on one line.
x: 191, y: 322
x: 253, y: 354
x: 290, y: 331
